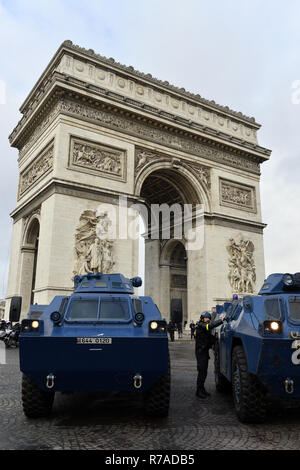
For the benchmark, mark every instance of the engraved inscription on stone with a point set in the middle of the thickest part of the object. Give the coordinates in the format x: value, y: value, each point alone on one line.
x: 41, y: 166
x: 98, y: 159
x: 237, y: 195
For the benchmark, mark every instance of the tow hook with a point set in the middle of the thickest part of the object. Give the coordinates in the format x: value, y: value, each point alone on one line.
x: 50, y: 381
x: 137, y: 381
x: 294, y: 335
x: 289, y: 385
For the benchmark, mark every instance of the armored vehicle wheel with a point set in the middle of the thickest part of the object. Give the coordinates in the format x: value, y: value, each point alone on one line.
x: 157, y: 399
x: 36, y: 402
x: 248, y: 394
x: 222, y: 384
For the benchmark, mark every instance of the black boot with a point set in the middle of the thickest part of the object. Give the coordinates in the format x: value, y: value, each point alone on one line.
x: 200, y: 393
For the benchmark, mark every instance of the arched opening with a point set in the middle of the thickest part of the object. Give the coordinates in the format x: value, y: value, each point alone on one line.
x: 29, y: 258
x: 165, y: 257
x: 178, y: 284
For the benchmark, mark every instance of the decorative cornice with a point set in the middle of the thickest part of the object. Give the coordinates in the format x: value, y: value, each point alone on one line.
x: 61, y: 86
x: 133, y: 124
x: 234, y: 222
x: 70, y: 68
x: 151, y: 131
x: 148, y: 77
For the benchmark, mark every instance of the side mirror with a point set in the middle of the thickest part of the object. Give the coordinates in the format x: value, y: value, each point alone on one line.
x: 15, y: 309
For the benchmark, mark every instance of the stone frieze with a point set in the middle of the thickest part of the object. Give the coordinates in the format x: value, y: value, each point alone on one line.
x: 161, y: 136
x: 41, y: 166
x: 237, y: 195
x: 102, y: 160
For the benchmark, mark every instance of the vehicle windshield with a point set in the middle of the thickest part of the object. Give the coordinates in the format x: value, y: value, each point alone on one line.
x: 273, y: 309
x: 83, y: 310
x: 99, y: 309
x: 294, y: 306
x: 114, y: 308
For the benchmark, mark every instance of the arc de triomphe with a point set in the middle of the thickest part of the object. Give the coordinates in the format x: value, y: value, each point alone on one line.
x: 93, y: 132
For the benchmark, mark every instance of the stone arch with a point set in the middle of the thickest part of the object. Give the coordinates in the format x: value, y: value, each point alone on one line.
x: 193, y: 189
x: 32, y: 225
x: 173, y: 268
x: 167, y: 250
x: 29, y: 260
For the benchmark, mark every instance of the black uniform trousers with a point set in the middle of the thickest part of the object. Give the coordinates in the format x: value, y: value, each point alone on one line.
x: 202, y: 357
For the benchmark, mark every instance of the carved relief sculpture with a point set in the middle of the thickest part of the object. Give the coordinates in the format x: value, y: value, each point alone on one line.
x: 36, y: 170
x: 242, y: 275
x: 237, y: 195
x: 93, y: 250
x: 143, y: 157
x: 98, y: 159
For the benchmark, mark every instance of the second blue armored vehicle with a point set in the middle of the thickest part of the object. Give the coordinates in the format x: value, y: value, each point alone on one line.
x: 103, y: 337
x: 257, y: 350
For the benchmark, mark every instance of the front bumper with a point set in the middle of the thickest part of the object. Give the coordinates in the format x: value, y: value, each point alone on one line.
x: 67, y: 366
x: 279, y: 367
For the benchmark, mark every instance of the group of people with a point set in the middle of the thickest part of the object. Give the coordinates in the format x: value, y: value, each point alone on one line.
x: 204, y: 340
x: 172, y: 327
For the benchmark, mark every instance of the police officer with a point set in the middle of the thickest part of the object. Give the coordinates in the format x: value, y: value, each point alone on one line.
x: 204, y: 341
x: 171, y: 330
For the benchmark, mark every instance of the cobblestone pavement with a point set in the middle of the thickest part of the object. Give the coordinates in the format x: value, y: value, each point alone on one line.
x: 116, y: 422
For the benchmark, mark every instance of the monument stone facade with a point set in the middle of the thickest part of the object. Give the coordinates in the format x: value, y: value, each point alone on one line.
x: 94, y: 131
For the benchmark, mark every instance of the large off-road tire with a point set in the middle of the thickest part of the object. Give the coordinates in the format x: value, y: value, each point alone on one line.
x: 222, y: 384
x: 248, y: 393
x: 157, y: 398
x: 36, y: 402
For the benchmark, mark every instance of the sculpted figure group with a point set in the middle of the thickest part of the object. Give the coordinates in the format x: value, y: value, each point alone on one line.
x: 93, y: 250
x: 242, y: 275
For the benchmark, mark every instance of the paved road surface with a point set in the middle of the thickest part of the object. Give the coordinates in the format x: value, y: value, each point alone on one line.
x: 111, y: 422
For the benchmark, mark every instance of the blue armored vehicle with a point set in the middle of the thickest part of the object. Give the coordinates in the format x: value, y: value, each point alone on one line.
x: 257, y: 350
x: 102, y: 337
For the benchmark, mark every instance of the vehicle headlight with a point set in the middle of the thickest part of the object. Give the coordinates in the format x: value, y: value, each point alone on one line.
x: 153, y: 325
x: 272, y: 326
x: 158, y: 326
x: 32, y: 326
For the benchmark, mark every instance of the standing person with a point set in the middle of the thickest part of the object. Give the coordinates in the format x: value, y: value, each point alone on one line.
x: 192, y: 328
x: 179, y: 329
x: 171, y: 330
x: 204, y: 341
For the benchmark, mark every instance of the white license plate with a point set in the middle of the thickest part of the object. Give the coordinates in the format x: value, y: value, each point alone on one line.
x: 94, y: 340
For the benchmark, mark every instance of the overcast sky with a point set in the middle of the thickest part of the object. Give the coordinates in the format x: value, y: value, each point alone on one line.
x: 244, y: 54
